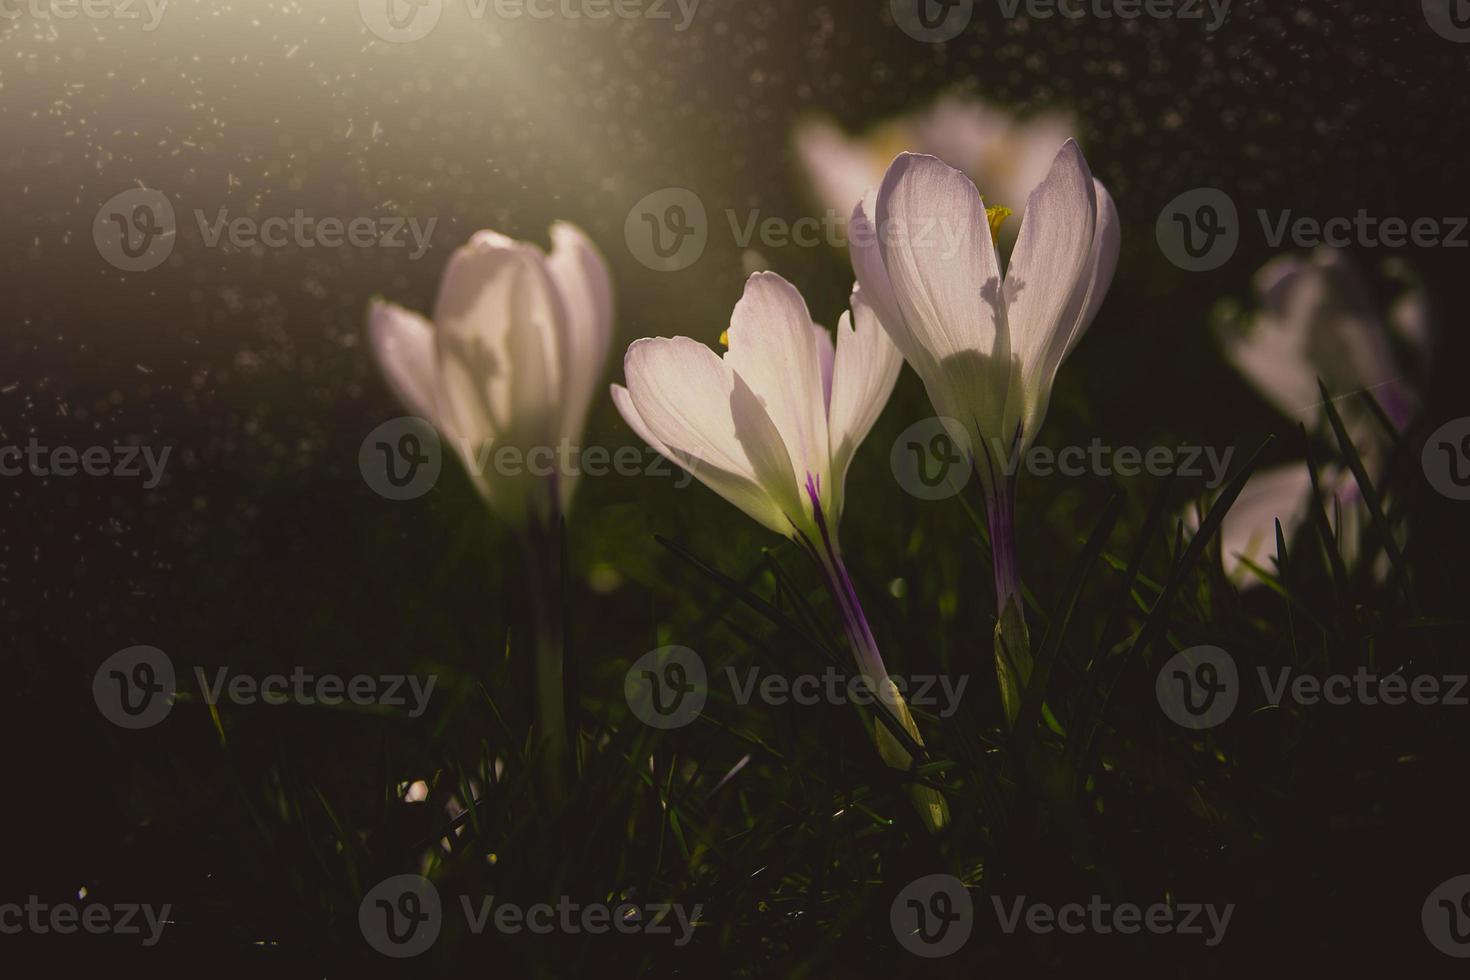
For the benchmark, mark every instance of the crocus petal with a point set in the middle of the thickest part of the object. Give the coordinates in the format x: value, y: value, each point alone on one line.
x: 867, y: 266
x: 1050, y: 263
x: 826, y: 354
x: 936, y: 247
x: 739, y: 490
x: 693, y: 404
x: 866, y: 369
x: 498, y: 321
x: 1097, y: 276
x: 403, y: 343
x: 581, y: 276
x: 773, y: 350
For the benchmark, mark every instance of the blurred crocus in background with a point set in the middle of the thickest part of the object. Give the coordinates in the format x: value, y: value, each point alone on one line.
x: 1006, y: 157
x: 987, y: 348
x: 512, y: 357
x: 772, y: 427
x: 1315, y: 320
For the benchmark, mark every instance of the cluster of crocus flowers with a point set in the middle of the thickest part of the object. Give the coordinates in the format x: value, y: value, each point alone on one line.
x: 772, y: 426
x: 1007, y: 156
x: 513, y: 357
x: 987, y: 345
x: 1314, y: 321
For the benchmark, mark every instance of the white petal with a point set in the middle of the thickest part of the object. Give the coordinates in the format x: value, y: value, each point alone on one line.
x: 773, y: 350
x: 692, y: 405
x: 581, y: 275
x: 867, y: 267
x: 944, y: 275
x: 1087, y: 299
x: 1051, y: 258
x: 498, y: 321
x: 941, y: 263
x: 403, y: 343
x: 826, y: 354
x: 866, y: 368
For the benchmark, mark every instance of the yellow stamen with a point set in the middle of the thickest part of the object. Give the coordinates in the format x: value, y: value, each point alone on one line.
x: 996, y: 217
x: 724, y: 338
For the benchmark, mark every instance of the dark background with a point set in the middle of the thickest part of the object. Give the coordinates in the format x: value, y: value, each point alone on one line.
x: 263, y: 548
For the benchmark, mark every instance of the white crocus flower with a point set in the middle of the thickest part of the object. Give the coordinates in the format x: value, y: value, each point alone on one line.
x: 512, y: 358
x: 987, y: 346
x: 1314, y: 320
x: 772, y: 426
x: 1006, y: 156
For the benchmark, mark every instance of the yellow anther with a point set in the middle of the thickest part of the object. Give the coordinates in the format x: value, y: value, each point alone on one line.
x: 996, y: 217
x: 724, y: 338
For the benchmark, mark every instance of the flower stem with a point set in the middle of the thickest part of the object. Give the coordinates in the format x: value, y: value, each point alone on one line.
x: 1000, y: 514
x: 1012, y: 640
x: 932, y: 807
